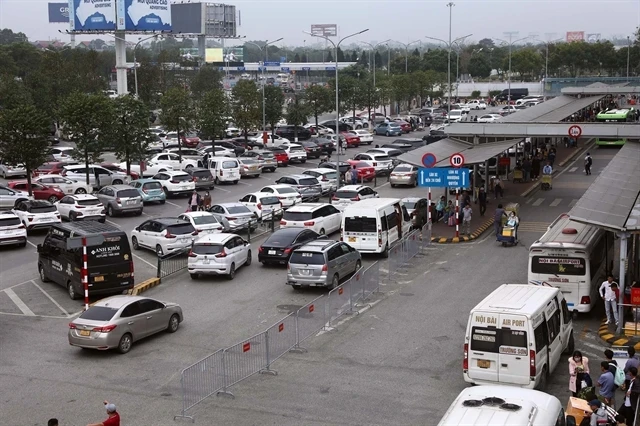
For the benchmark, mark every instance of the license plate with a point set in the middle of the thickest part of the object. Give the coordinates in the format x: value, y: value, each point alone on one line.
x: 305, y: 271
x: 85, y: 333
x: 206, y: 261
x: 130, y: 202
x: 98, y: 279
x: 184, y: 187
x: 484, y: 363
x: 352, y: 239
x: 272, y: 252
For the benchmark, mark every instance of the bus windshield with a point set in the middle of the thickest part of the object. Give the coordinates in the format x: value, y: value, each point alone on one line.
x: 558, y: 265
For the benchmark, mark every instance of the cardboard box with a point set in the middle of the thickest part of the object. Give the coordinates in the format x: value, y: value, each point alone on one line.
x: 508, y: 232
x: 578, y: 408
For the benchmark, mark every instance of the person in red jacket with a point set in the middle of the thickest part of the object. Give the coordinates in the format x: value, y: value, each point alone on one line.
x: 113, y: 418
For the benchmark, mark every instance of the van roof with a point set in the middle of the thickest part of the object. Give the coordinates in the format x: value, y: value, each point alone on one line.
x: 526, y: 299
x: 561, y: 233
x: 485, y: 406
x: 373, y: 202
x: 87, y: 227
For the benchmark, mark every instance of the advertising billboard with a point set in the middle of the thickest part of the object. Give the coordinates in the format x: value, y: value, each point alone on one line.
x: 230, y: 56
x: 575, y: 36
x: 58, y: 12
x: 144, y: 15
x: 92, y: 15
x: 326, y: 30
x: 593, y: 38
x: 187, y: 18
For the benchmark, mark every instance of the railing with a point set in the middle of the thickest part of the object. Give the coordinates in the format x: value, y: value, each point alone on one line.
x: 412, y: 245
x: 171, y: 263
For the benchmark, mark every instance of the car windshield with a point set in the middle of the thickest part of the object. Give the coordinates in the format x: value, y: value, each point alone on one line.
x: 280, y: 240
x: 238, y: 209
x: 381, y: 158
x: 152, y: 185
x: 202, y: 173
x: 360, y: 224
x: 297, y: 216
x: 98, y: 313
x: 207, y: 248
x: 362, y: 165
x: 128, y: 193
x: 9, y: 221
x: 46, y: 167
x: 180, y: 229
x: 205, y: 220
x: 297, y: 148
x: 89, y: 202
x: 266, y: 154
x: 345, y: 194
x: 307, y: 258
x: 286, y: 190
x: 229, y: 164
x: 42, y: 209
x: 403, y: 169
x: 308, y: 181
x: 181, y: 178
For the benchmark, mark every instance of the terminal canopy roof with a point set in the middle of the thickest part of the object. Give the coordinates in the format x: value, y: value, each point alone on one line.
x: 613, y: 200
x: 445, y: 148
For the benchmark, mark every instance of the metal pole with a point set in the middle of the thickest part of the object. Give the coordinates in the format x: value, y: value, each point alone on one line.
x: 457, y: 70
x: 450, y: 6
x: 509, y: 83
x: 406, y: 59
x: 85, y: 273
x: 135, y: 63
x: 628, y: 55
x: 623, y: 267
x: 546, y: 73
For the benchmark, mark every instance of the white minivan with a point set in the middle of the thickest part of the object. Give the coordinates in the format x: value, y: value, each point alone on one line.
x: 516, y: 336
x: 224, y: 169
x: 503, y: 406
x: 374, y: 224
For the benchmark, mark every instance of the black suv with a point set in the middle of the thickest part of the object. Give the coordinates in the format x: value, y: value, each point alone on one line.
x: 289, y: 132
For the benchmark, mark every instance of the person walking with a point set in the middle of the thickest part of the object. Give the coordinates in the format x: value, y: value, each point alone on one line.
x: 497, y: 219
x: 343, y: 146
x: 606, y: 383
x: 607, y: 292
x: 347, y: 176
x: 628, y: 407
x: 552, y: 156
x: 194, y: 201
x: 497, y: 188
x: 535, y: 167
x: 588, y: 161
x: 466, y: 219
x: 547, y: 169
x: 526, y: 167
x: 633, y: 361
x: 354, y: 176
x: 482, y: 200
x: 207, y: 201
x: 113, y: 418
x: 578, y: 371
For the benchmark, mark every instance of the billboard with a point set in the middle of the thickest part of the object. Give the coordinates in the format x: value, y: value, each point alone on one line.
x: 187, y: 18
x: 189, y: 54
x: 220, y: 21
x: 58, y: 12
x: 230, y: 56
x: 92, y: 15
x: 144, y: 15
x: 575, y: 36
x: 593, y: 38
x: 326, y: 30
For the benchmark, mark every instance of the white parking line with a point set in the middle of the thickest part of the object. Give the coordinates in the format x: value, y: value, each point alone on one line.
x: 243, y: 183
x: 380, y: 186
x: 19, y: 303
x: 573, y: 169
x: 147, y: 262
x: 220, y: 189
x: 113, y: 223
x: 538, y: 202
x: 50, y: 298
x: 146, y: 214
x: 30, y: 243
x: 173, y: 204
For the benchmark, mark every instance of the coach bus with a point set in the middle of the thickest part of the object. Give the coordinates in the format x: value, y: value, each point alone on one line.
x: 620, y: 115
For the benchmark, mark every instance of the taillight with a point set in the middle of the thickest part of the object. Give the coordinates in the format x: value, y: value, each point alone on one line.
x: 72, y: 326
x: 192, y: 254
x: 356, y: 199
x: 532, y: 363
x: 22, y: 226
x: 105, y: 329
x: 80, y: 207
x: 260, y: 249
x: 585, y: 300
x: 379, y: 238
x: 64, y: 173
x: 30, y: 219
x: 196, y: 232
x: 309, y: 223
x: 175, y: 182
x: 335, y: 198
x: 194, y: 179
x: 287, y: 250
x: 221, y: 173
x: 145, y: 191
x: 375, y: 164
x: 465, y: 360
x: 324, y: 179
x: 222, y: 254
x: 169, y: 235
x: 282, y: 198
x: 325, y: 268
x: 232, y: 218
x: 259, y: 206
x: 283, y: 222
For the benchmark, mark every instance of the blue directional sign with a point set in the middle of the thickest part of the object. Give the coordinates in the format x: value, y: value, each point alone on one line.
x: 271, y: 64
x: 283, y: 59
x: 306, y: 68
x: 330, y: 68
x: 444, y: 177
x: 284, y: 69
x: 241, y: 68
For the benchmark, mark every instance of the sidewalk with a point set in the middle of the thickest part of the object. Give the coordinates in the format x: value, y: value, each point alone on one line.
x: 442, y: 233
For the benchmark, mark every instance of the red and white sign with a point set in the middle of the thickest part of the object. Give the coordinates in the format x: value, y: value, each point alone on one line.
x: 575, y: 36
x: 456, y: 160
x: 575, y: 131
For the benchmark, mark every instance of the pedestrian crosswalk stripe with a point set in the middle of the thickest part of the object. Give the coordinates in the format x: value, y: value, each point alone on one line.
x: 573, y: 169
x: 533, y: 227
x: 538, y: 202
x: 573, y: 185
x: 573, y: 202
x: 555, y: 202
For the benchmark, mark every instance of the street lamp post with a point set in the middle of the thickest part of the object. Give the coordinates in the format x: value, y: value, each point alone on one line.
x: 628, y: 55
x: 336, y: 46
x: 546, y: 65
x: 264, y: 117
x: 373, y: 49
x: 135, y: 63
x: 406, y: 53
x: 510, y: 44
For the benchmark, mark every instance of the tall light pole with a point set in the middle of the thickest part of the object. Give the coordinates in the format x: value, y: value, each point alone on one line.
x: 406, y: 53
x: 264, y: 117
x: 449, y: 44
x: 458, y: 51
x: 135, y: 63
x: 546, y: 65
x: 510, y: 43
x: 628, y: 55
x: 336, y: 46
x: 373, y: 50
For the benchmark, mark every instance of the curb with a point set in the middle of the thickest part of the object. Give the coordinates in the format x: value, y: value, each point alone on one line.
x: 453, y: 240
x: 144, y: 286
x: 616, y: 340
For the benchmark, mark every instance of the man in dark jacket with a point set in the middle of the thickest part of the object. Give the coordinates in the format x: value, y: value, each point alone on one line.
x: 482, y: 200
x: 535, y: 167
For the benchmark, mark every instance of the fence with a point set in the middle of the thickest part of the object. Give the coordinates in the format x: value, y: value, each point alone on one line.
x: 412, y: 245
x: 171, y: 263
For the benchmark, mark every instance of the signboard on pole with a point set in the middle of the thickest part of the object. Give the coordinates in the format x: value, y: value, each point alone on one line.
x: 271, y: 64
x: 444, y: 177
x: 144, y: 15
x: 325, y: 30
x: 575, y: 36
x: 456, y: 160
x: 58, y: 12
x: 429, y: 160
x: 92, y: 15
x: 575, y: 131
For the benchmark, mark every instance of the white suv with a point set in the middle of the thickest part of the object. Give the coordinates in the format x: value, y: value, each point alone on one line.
x: 350, y: 194
x: 322, y: 218
x: 172, y: 159
x: 81, y: 207
x: 263, y: 204
x: 295, y: 152
x: 176, y: 183
x: 476, y: 104
x: 218, y: 254
x: 328, y: 178
x: 12, y: 231
x: 163, y: 235
x: 68, y: 186
x: 287, y: 195
x: 380, y: 162
x: 36, y: 214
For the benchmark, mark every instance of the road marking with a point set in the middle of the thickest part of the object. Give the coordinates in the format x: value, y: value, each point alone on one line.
x: 30, y: 243
x: 556, y: 202
x: 380, y: 186
x: 217, y: 188
x: 538, y: 202
x: 533, y: 227
x: 529, y: 200
x: 243, y: 183
x: 573, y: 169
x: 143, y: 260
x: 173, y: 204
x: 19, y: 303
x: 51, y: 298
x: 146, y: 214
x: 573, y: 202
x: 113, y: 223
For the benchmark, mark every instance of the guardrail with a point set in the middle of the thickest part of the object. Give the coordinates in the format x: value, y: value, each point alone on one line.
x: 171, y: 263
x: 412, y: 245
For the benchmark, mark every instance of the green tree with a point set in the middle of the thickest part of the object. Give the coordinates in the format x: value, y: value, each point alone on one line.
x: 273, y: 106
x: 320, y: 100
x: 212, y: 112
x: 24, y: 133
x: 370, y: 96
x: 8, y: 37
x: 207, y: 79
x: 87, y: 119
x: 350, y: 94
x: 178, y: 113
x: 13, y: 93
x: 297, y: 114
x: 526, y: 62
x: 149, y: 81
x: 129, y: 133
x: 340, y: 55
x: 246, y: 105
x: 479, y: 66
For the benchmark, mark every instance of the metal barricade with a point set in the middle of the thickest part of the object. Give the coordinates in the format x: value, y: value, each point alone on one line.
x: 281, y: 338
x: 243, y: 360
x: 395, y: 259
x: 201, y: 380
x: 371, y: 281
x: 356, y: 293
x: 310, y: 319
x: 172, y: 263
x: 412, y: 245
x: 425, y: 235
x: 339, y: 301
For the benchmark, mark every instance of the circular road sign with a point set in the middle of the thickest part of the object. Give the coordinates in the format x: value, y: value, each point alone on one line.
x: 429, y: 160
x: 575, y: 131
x: 456, y: 160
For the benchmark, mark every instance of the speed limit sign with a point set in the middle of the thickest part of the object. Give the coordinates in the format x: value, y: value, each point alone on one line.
x: 575, y: 131
x: 456, y: 160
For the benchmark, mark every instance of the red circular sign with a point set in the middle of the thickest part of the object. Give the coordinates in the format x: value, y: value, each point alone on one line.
x: 575, y: 131
x: 456, y: 160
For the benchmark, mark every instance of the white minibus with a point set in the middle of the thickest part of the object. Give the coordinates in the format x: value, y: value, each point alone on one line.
x: 224, y: 169
x: 374, y: 224
x: 516, y: 336
x: 573, y: 257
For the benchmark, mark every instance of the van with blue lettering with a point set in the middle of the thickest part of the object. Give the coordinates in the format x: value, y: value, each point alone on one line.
x: 516, y: 336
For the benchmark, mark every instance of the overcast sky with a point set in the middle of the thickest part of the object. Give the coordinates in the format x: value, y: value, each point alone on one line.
x: 401, y: 20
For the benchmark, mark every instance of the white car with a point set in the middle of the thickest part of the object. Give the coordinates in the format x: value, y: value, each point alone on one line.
x: 455, y: 115
x: 106, y: 177
x: 170, y: 137
x: 7, y: 170
x: 68, y: 186
x: 237, y: 215
x: 218, y: 254
x: 189, y: 153
x: 9, y: 197
x: 204, y: 222
x: 233, y: 132
x: 163, y: 235
x: 173, y: 160
x: 356, y: 124
x: 218, y: 151
x: 176, y: 183
x: 81, y: 207
x: 322, y: 218
x: 507, y: 109
x: 36, y: 214
x: 365, y: 136
x: 296, y: 152
x: 350, y: 194
x: 476, y: 104
x: 464, y: 108
x: 12, y: 231
x: 380, y: 162
x: 287, y: 195
x: 320, y: 129
x: 61, y: 153
x: 328, y: 178
x: 489, y: 118
x: 272, y: 140
x: 150, y: 169
x: 263, y: 204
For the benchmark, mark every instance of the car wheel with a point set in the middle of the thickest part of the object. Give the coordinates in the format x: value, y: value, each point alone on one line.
x: 393, y: 185
x: 109, y: 211
x: 232, y: 272
x: 124, y: 345
x: 117, y: 182
x: 235, y: 182
x: 4, y: 175
x: 52, y: 199
x: 189, y: 167
x: 358, y: 266
x: 385, y: 253
x: 166, y: 192
x: 303, y: 161
x: 296, y: 287
x: 134, y: 243
x: 335, y: 282
x: 162, y: 201
x: 387, y: 134
x: 159, y: 250
x: 174, y: 323
x: 322, y: 231
x: 72, y: 216
x: 248, y: 262
x: 139, y: 212
x: 81, y: 191
x: 216, y: 181
x: 71, y: 291
x: 43, y: 275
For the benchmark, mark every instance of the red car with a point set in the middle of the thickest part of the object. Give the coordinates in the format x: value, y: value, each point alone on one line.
x: 406, y: 127
x: 281, y: 156
x: 40, y: 191
x: 353, y: 140
x: 52, y: 168
x: 190, y: 140
x: 366, y: 173
x: 112, y: 167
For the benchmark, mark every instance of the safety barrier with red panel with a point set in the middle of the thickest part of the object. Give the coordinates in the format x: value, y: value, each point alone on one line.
x: 281, y: 337
x: 311, y: 318
x: 339, y: 301
x: 244, y: 359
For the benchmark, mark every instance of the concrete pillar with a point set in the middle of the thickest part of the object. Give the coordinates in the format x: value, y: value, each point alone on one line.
x: 474, y: 188
x: 621, y: 281
x: 72, y: 40
x: 121, y: 62
x: 202, y: 48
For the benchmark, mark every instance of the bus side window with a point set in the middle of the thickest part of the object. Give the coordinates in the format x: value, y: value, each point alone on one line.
x: 553, y: 324
x: 566, y: 315
x: 597, y: 257
x: 541, y: 336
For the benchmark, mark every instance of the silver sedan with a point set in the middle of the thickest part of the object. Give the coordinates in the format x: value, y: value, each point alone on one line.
x: 250, y: 167
x: 404, y: 174
x: 118, y: 321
